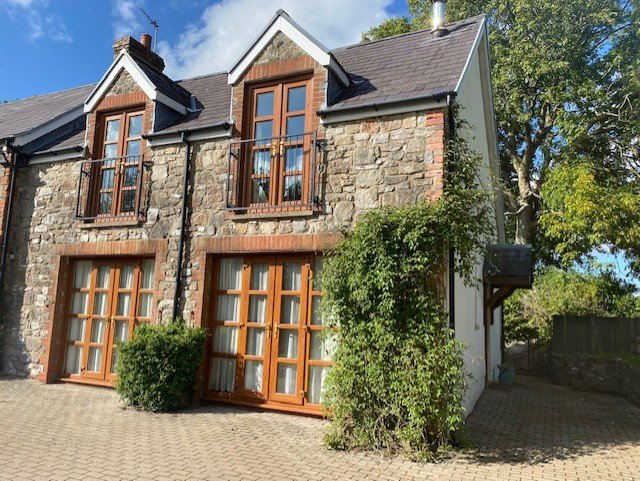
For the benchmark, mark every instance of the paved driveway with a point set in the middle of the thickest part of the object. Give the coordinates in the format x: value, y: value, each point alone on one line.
x: 534, y: 431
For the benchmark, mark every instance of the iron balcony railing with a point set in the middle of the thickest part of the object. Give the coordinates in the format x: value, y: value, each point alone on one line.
x: 113, y: 188
x: 274, y: 174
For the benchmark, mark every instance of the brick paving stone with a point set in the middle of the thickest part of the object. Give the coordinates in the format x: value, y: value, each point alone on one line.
x: 534, y: 431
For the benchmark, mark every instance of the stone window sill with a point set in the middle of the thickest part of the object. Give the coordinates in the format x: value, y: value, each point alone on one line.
x: 292, y: 214
x: 109, y: 224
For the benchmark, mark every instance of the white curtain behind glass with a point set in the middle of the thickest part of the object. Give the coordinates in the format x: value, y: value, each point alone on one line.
x: 253, y: 375
x: 222, y: 374
x: 230, y: 275
x: 287, y: 378
x: 225, y: 340
x: 317, y: 376
x: 83, y: 274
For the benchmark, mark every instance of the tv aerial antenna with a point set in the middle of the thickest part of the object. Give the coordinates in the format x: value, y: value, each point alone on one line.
x: 156, y: 26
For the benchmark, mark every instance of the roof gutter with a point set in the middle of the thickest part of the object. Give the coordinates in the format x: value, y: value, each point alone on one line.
x: 52, y: 155
x: 385, y: 107
x: 218, y: 130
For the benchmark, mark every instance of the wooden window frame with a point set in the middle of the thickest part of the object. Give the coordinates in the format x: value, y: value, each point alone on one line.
x: 268, y: 396
x: 278, y: 142
x: 120, y: 163
x: 104, y: 375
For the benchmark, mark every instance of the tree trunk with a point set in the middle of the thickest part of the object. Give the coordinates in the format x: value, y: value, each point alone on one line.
x: 526, y: 224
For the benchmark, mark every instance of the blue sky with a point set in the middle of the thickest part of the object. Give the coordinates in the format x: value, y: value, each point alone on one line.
x: 59, y: 44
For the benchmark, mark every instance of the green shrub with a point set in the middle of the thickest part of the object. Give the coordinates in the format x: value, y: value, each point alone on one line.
x: 157, y: 368
x: 398, y: 380
x: 529, y: 313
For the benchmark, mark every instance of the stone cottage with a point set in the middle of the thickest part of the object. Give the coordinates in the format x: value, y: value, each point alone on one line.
x: 141, y: 198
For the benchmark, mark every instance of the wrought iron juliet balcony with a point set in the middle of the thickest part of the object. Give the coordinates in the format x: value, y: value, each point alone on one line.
x: 274, y: 174
x: 114, y: 189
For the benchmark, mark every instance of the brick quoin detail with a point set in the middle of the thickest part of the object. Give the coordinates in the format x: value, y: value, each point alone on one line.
x: 436, y: 145
x: 5, y: 176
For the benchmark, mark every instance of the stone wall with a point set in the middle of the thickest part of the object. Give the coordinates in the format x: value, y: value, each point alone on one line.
x: 123, y: 84
x: 598, y: 374
x: 386, y: 161
x: 44, y: 219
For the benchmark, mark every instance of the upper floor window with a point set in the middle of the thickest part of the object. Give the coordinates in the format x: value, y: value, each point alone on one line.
x: 111, y: 184
x: 276, y: 161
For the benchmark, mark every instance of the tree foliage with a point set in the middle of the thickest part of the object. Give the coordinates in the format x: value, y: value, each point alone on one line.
x: 390, y: 27
x: 397, y: 381
x: 528, y: 313
x: 581, y: 211
x: 566, y: 81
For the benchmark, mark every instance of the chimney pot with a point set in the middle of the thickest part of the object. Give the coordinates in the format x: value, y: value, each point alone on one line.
x: 438, y: 28
x: 145, y: 39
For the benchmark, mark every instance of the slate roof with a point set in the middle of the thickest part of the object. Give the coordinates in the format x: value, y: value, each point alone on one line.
x: 406, y: 66
x: 22, y: 116
x: 412, y: 65
x: 164, y: 84
x: 213, y: 96
x: 509, y: 261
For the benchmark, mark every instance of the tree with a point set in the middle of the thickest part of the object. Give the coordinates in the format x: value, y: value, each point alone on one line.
x: 566, y: 81
x: 388, y: 28
x: 529, y: 313
x: 581, y: 211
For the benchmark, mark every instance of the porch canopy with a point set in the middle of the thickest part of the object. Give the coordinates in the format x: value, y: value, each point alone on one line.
x: 507, y: 267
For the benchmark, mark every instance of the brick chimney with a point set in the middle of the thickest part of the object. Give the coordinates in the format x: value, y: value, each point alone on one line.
x: 145, y: 39
x: 140, y: 50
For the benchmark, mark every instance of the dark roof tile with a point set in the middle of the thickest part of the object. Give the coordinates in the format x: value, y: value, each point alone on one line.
x: 416, y: 64
x: 25, y: 115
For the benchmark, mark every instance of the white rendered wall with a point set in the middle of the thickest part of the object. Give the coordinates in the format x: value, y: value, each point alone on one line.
x: 476, y: 109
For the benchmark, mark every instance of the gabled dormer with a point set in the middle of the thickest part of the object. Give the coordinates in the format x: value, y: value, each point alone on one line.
x: 136, y: 67
x: 133, y: 99
x: 278, y: 85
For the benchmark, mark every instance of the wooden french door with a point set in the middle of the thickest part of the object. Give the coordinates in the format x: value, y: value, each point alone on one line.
x: 268, y: 344
x: 108, y: 298
x: 280, y: 118
x: 122, y: 154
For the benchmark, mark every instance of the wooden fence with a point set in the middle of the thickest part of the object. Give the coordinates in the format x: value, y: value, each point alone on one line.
x: 594, y: 335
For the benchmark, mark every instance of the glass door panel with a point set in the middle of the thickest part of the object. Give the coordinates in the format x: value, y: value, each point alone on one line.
x: 294, y: 143
x: 127, y: 280
x: 264, y: 127
x: 289, y: 326
x: 109, y: 168
x: 130, y: 163
x: 101, y: 314
x: 226, y: 324
x: 78, y: 318
x: 321, y: 342
x: 98, y: 322
x: 257, y: 330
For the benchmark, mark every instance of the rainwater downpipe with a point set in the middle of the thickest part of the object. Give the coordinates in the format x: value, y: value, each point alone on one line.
x: 452, y: 254
x: 12, y: 166
x: 183, y: 221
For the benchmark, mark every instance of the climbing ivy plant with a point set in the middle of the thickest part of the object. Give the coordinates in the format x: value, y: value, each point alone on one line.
x: 398, y: 381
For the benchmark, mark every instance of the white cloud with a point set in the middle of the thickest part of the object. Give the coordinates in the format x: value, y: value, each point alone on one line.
x: 127, y: 17
x: 227, y: 28
x: 40, y: 23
